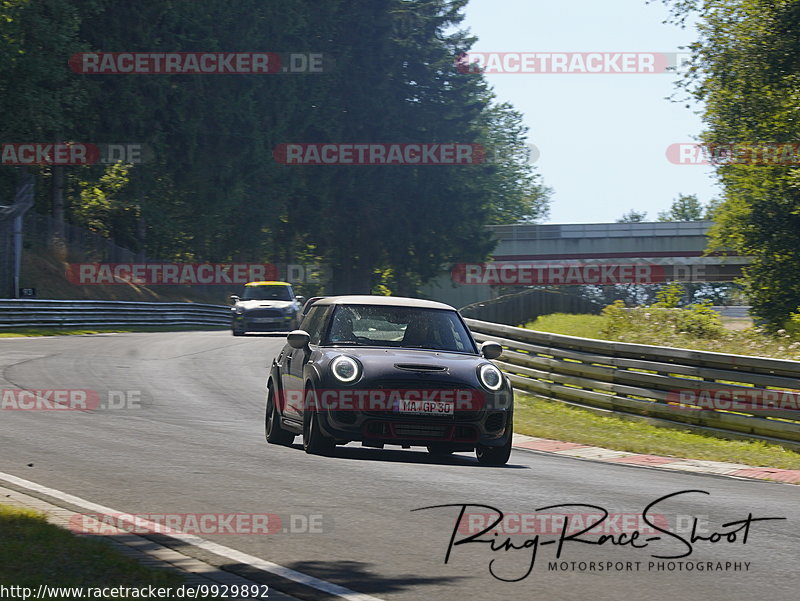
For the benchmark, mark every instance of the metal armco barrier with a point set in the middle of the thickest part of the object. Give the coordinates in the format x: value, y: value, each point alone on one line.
x: 646, y: 381
x: 81, y: 314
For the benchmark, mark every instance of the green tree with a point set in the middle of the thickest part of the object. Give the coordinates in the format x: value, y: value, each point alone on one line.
x: 39, y: 96
x: 633, y: 216
x: 41, y: 101
x: 684, y: 208
x: 213, y: 190
x: 746, y: 69
x: 404, y: 221
x: 210, y: 191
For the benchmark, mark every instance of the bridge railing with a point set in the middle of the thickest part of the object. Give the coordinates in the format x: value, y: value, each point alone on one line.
x: 733, y: 395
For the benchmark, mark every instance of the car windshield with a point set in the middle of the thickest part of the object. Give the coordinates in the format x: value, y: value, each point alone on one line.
x: 267, y: 293
x: 405, y: 327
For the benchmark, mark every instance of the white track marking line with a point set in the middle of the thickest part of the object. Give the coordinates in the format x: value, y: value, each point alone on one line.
x: 238, y: 556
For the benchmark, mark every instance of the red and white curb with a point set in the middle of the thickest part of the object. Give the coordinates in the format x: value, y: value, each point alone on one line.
x: 572, y: 449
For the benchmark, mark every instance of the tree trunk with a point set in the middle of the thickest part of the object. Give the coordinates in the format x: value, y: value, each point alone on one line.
x: 58, y: 242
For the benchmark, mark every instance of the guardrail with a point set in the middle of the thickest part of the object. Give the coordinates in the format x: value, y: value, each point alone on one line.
x: 80, y: 314
x: 664, y: 383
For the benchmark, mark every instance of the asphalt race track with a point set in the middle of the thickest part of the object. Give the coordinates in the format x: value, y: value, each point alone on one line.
x: 190, y: 439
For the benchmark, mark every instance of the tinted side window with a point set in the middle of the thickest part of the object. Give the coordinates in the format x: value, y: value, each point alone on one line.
x: 313, y: 322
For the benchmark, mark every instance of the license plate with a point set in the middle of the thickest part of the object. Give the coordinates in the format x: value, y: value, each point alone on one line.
x: 265, y: 319
x: 418, y: 407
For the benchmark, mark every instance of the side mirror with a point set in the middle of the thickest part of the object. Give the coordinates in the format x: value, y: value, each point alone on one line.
x: 298, y: 339
x: 300, y: 298
x: 234, y: 298
x: 491, y: 350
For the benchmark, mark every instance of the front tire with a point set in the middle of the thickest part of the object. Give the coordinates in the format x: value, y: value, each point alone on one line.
x: 314, y: 440
x: 494, y: 456
x: 274, y: 432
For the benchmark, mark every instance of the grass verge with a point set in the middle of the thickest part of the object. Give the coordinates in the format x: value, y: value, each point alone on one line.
x: 585, y: 326
x: 34, y: 552
x: 551, y: 419
x: 643, y: 325
x: 80, y: 332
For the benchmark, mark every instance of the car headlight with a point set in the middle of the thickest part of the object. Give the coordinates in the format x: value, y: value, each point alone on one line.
x: 491, y: 377
x: 345, y: 369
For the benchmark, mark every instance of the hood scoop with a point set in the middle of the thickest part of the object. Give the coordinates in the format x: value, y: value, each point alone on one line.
x: 420, y: 367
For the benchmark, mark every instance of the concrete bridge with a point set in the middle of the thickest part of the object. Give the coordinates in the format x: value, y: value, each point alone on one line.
x: 588, y: 254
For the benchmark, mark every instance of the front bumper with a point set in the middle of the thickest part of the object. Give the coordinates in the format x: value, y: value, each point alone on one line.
x: 243, y: 323
x: 488, y: 427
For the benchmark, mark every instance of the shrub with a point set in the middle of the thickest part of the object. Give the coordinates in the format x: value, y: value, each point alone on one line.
x: 792, y: 325
x: 642, y: 323
x: 669, y: 296
x: 701, y: 320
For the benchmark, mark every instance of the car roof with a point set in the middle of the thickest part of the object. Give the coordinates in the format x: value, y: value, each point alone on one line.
x: 266, y: 283
x: 394, y: 301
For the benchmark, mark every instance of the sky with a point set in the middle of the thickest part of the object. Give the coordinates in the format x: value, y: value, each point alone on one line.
x: 602, y: 138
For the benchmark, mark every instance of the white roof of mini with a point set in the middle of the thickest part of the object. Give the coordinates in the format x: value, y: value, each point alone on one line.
x: 394, y: 301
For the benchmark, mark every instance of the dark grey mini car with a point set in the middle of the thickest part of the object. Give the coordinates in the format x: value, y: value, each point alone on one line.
x: 386, y: 370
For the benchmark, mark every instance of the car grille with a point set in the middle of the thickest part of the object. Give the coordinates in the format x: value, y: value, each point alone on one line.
x: 377, y: 430
x: 264, y: 313
x: 420, y: 431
